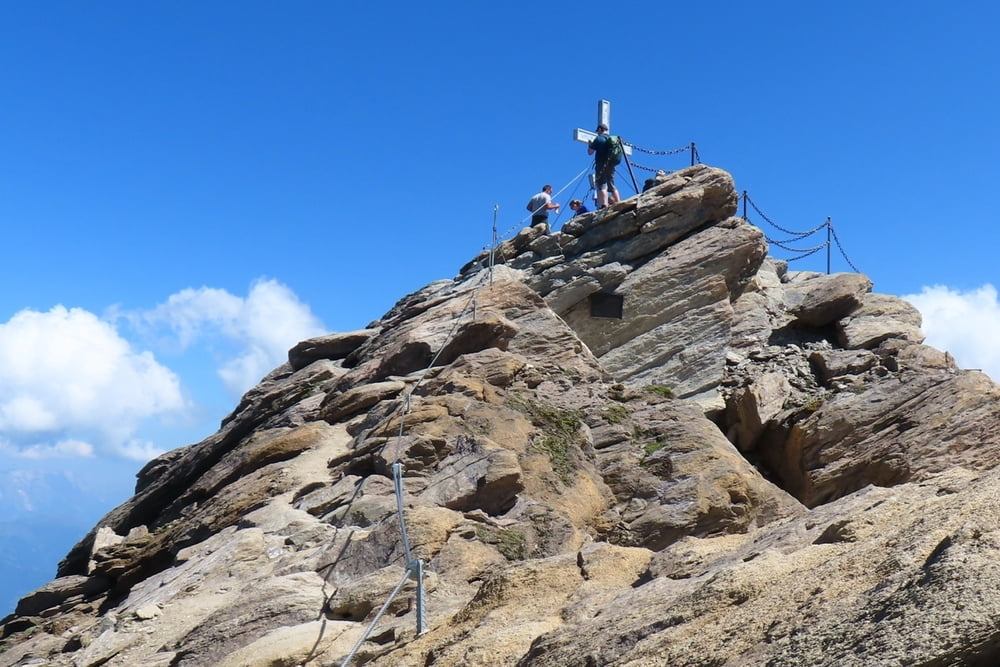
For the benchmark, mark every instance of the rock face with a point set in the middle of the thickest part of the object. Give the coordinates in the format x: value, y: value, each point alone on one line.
x: 675, y: 287
x: 637, y: 441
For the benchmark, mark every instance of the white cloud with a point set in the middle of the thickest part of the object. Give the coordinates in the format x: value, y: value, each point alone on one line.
x: 193, y: 314
x: 61, y: 449
x: 963, y: 323
x: 69, y: 385
x: 26, y: 413
x: 139, y: 450
x: 258, y: 330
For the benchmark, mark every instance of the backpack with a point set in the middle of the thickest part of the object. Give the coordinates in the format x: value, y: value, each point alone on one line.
x: 615, y: 150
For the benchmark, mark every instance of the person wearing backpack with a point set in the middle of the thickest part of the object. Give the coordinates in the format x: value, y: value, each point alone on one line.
x: 540, y: 205
x: 608, y: 148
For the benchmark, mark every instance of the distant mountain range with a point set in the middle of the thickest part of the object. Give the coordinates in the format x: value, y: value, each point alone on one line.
x: 29, y: 553
x: 42, y: 515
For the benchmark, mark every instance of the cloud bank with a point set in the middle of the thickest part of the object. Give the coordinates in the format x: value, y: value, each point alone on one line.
x: 963, y: 323
x: 73, y: 386
x: 251, y: 336
x: 70, y: 382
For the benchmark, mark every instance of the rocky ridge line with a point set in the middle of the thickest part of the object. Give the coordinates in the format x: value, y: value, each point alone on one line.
x: 751, y: 466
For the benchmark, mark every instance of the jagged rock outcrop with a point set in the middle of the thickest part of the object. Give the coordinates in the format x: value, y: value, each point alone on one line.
x: 640, y: 441
x: 676, y: 306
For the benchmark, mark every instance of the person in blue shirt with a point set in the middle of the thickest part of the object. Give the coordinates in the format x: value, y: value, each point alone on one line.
x: 578, y: 207
x: 603, y: 169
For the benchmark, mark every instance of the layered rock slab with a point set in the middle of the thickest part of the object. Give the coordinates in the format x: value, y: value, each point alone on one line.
x: 884, y: 577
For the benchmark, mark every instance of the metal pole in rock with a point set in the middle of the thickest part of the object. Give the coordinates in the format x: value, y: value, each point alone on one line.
x: 418, y: 566
x: 828, y: 245
x: 629, y: 165
x: 493, y: 243
x: 397, y: 476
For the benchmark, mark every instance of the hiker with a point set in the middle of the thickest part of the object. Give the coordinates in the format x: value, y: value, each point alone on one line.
x: 540, y: 205
x: 608, y: 149
x: 578, y: 207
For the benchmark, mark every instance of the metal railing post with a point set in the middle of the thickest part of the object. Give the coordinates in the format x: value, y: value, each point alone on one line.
x: 828, y: 227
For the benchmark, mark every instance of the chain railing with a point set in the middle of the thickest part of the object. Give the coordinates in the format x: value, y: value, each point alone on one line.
x: 786, y: 244
x: 695, y: 159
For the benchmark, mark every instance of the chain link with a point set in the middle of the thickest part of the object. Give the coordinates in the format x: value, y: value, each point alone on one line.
x: 798, y: 236
x: 649, y: 151
x: 779, y: 227
x: 652, y: 152
x: 642, y: 166
x: 841, y: 248
x: 804, y: 255
x: 794, y: 239
x: 808, y: 251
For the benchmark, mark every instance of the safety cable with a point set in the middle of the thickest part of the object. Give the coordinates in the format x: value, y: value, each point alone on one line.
x: 414, y: 567
x: 520, y: 223
x: 378, y: 616
x: 572, y: 196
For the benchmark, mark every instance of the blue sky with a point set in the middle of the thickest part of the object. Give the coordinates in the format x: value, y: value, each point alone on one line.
x: 190, y: 188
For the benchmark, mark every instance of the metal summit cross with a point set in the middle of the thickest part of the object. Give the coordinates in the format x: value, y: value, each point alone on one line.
x: 603, y: 118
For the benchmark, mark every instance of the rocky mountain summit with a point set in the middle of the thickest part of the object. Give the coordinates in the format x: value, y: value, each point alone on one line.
x: 635, y: 441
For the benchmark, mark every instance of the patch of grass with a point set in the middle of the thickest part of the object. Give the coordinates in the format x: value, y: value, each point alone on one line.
x: 616, y: 413
x: 314, y: 387
x: 814, y: 403
x: 660, y: 390
x: 557, y: 450
x: 654, y: 446
x: 810, y: 404
x: 651, y: 441
x: 559, y: 429
x: 510, y: 543
x: 640, y: 433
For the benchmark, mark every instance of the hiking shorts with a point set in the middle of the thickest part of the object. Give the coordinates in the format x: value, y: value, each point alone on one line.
x: 605, y: 177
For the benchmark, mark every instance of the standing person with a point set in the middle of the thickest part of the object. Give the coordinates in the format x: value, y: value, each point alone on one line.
x: 541, y: 204
x: 578, y: 207
x: 604, y: 165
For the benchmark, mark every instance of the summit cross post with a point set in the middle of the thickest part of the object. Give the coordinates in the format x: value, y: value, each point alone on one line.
x: 585, y: 137
x: 603, y: 118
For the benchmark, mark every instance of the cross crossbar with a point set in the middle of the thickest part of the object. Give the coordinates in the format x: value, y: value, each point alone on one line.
x: 603, y: 117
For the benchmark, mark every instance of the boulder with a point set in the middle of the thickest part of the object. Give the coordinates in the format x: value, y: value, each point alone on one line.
x: 821, y: 300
